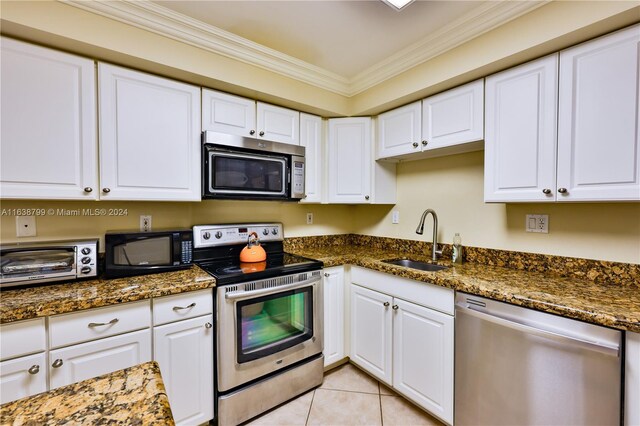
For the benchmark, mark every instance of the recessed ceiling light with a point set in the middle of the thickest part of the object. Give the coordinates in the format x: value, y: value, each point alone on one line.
x: 397, y: 4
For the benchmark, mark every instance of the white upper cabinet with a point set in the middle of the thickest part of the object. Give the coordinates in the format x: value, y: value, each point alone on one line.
x: 454, y: 117
x: 48, y: 124
x: 229, y: 114
x: 149, y: 137
x: 598, y: 129
x: 520, y: 141
x: 353, y: 176
x: 399, y: 131
x: 235, y: 115
x: 311, y: 139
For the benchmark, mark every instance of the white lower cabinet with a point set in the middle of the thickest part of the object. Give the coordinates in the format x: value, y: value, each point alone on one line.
x: 184, y: 351
x: 405, y: 345
x: 632, y: 380
x: 22, y: 377
x: 92, y: 359
x: 333, y: 291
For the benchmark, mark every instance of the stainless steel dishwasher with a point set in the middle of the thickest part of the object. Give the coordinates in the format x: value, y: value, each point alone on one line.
x: 518, y: 366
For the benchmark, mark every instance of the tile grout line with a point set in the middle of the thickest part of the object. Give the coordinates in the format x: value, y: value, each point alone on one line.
x: 310, y: 405
x: 351, y: 391
x: 380, y: 402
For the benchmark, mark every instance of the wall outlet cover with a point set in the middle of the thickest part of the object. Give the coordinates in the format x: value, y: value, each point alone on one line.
x: 537, y: 223
x: 395, y: 216
x: 309, y: 218
x: 25, y: 226
x: 145, y: 223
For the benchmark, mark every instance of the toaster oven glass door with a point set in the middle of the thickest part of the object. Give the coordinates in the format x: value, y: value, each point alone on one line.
x: 18, y: 265
x: 245, y: 173
x: 151, y: 251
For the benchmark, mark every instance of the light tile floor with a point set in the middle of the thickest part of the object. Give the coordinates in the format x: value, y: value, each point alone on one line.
x: 347, y: 397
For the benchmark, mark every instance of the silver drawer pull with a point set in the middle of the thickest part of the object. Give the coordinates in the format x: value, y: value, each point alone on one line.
x: 179, y: 308
x: 208, y: 325
x: 35, y: 369
x: 98, y: 324
x: 57, y: 363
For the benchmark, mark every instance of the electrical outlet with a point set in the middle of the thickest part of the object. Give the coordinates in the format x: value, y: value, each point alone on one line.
x: 309, y: 218
x: 395, y: 216
x: 145, y: 223
x: 25, y: 226
x: 537, y: 223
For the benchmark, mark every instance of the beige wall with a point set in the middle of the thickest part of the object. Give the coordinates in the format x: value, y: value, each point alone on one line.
x: 453, y: 187
x: 327, y: 219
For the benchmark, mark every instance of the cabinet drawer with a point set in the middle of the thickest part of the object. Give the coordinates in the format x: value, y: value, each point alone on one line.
x: 182, y: 306
x: 22, y: 338
x: 94, y: 324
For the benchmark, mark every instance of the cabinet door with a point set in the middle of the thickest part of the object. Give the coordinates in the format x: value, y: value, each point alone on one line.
x: 349, y: 167
x: 229, y: 114
x: 80, y: 362
x: 311, y: 139
x: 371, y: 332
x: 149, y: 137
x: 454, y: 117
x: 399, y: 131
x: 632, y: 379
x: 22, y: 377
x: 423, y: 357
x: 184, y: 351
x: 333, y: 288
x: 598, y: 131
x: 278, y: 124
x: 520, y: 142
x: 48, y: 124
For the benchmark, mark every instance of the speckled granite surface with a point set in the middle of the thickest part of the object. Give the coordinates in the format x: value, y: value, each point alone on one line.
x: 614, y: 304
x: 62, y: 298
x: 133, y: 396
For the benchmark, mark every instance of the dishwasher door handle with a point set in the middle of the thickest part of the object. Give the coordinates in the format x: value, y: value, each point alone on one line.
x: 604, y: 348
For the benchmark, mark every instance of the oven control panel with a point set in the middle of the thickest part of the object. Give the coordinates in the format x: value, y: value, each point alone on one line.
x: 224, y: 235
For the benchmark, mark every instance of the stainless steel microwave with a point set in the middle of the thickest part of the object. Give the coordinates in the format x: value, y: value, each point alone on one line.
x: 129, y: 253
x: 237, y: 167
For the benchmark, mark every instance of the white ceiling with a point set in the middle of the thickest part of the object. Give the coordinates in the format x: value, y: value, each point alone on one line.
x: 343, y: 37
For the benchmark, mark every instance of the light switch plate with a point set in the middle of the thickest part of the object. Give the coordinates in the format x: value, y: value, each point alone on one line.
x: 25, y: 226
x: 309, y: 218
x: 395, y: 216
x: 537, y: 223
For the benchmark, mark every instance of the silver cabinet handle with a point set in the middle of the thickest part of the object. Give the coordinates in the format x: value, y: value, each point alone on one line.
x: 424, y: 143
x: 57, y: 363
x: 106, y: 190
x: 35, y: 369
x: 546, y: 191
x: 208, y: 325
x: 252, y: 132
x: 179, y: 308
x: 415, y: 144
x: 394, y: 307
x: 261, y: 133
x: 366, y: 197
x: 88, y: 189
x: 99, y: 324
x: 385, y: 304
x: 326, y: 275
x: 563, y: 190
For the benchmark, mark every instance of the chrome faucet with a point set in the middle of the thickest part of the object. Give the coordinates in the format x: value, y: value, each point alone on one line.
x: 420, y: 229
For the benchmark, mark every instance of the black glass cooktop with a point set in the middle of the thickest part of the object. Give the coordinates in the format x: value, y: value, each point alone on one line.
x: 232, y: 271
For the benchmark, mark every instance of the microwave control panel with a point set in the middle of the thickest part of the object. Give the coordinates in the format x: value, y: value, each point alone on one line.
x: 224, y: 235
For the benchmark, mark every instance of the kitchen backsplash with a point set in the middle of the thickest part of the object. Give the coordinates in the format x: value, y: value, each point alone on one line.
x: 594, y: 270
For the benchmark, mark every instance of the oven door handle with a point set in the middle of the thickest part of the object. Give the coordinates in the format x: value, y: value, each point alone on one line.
x: 235, y: 295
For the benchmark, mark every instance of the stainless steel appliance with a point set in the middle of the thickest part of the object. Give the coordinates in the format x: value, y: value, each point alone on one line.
x: 45, y: 262
x: 269, y: 331
x: 129, y: 253
x: 518, y: 366
x: 238, y: 167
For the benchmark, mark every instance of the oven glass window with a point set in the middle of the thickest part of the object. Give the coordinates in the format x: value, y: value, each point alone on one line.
x: 29, y: 262
x: 248, y: 173
x: 148, y: 251
x: 270, y: 324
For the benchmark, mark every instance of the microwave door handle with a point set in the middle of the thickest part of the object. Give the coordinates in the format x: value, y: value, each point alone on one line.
x: 235, y: 295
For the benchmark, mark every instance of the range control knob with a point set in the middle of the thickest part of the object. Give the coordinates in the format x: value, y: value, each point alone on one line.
x: 85, y: 269
x: 218, y: 235
x: 274, y: 231
x: 85, y: 250
x: 265, y: 231
x: 206, y: 235
x: 86, y: 260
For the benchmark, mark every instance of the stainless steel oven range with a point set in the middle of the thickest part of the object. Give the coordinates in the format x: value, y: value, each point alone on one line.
x: 269, y: 331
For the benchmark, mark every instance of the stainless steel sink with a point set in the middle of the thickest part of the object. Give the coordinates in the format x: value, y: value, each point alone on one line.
x: 414, y: 264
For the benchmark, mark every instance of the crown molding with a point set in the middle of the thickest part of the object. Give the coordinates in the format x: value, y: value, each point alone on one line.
x: 163, y: 21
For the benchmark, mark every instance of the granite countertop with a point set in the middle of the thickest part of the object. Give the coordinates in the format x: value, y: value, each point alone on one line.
x: 55, y: 299
x: 615, y: 305
x: 133, y: 396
